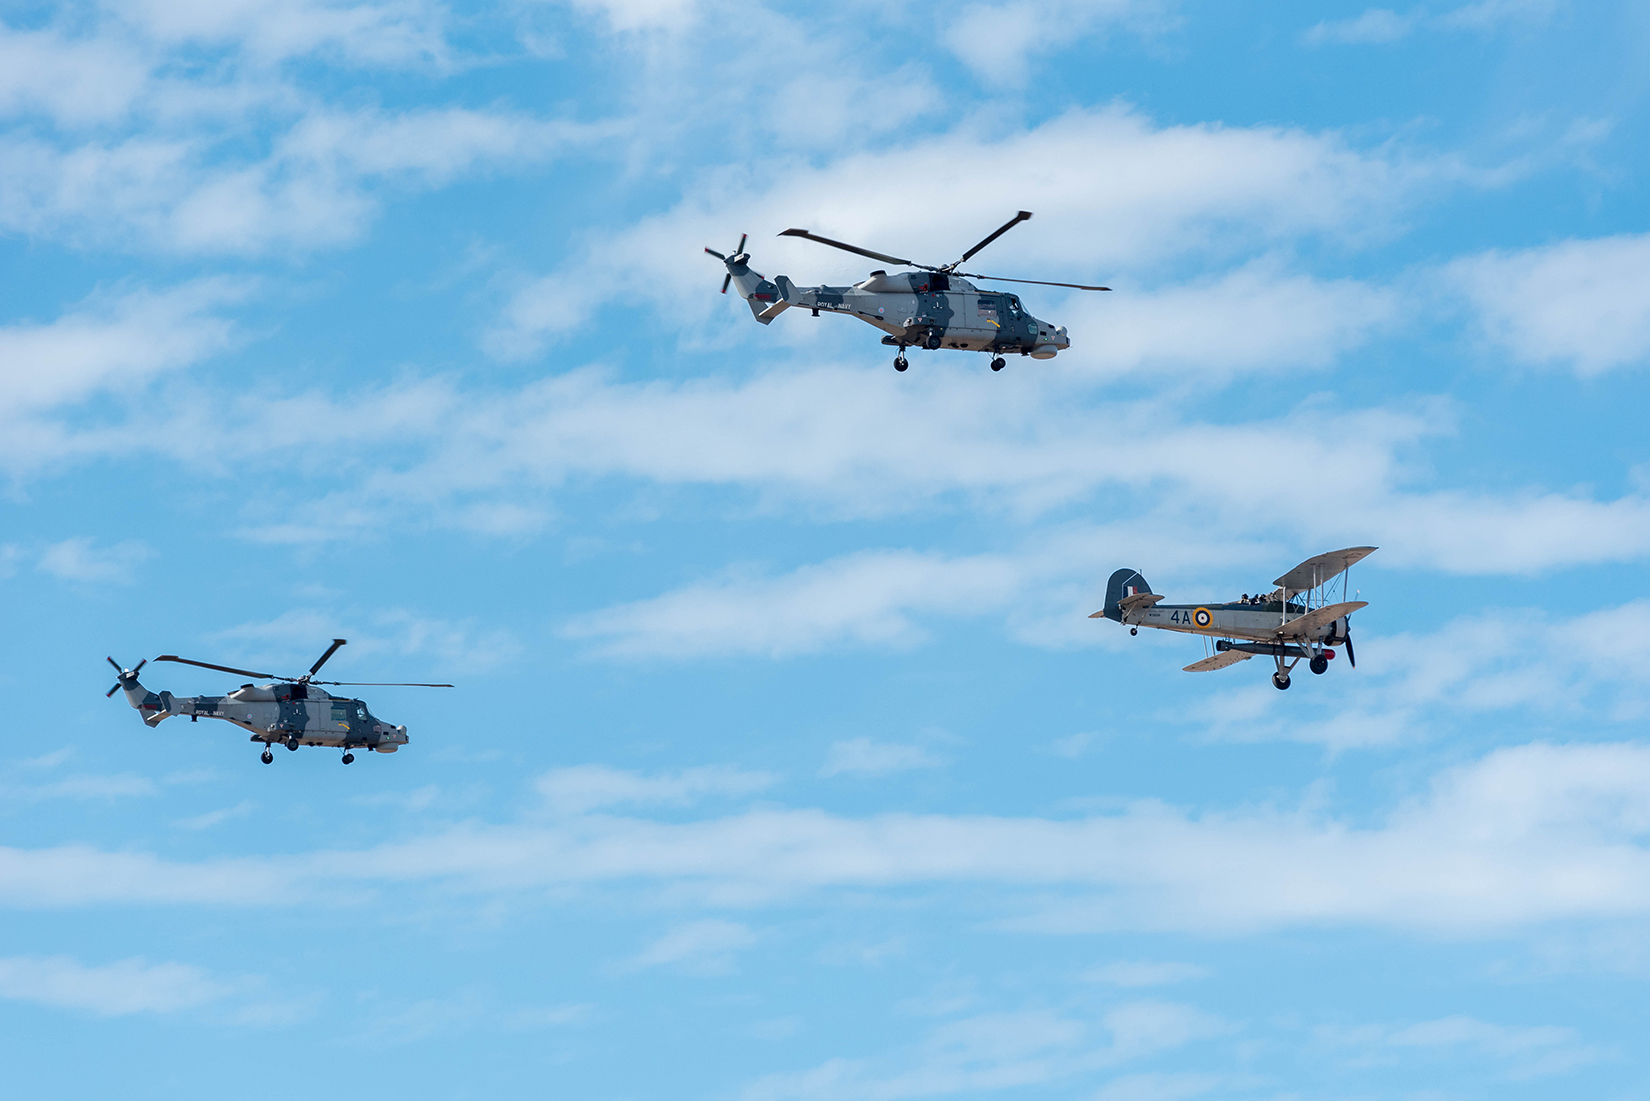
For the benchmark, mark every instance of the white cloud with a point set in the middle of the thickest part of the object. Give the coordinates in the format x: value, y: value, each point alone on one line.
x: 865, y: 598
x: 216, y: 817
x: 1377, y: 25
x: 86, y: 786
x: 1255, y: 318
x: 1526, y: 1051
x: 584, y: 788
x: 396, y: 32
x: 1003, y: 42
x: 1383, y: 25
x: 702, y: 947
x: 1161, y: 1086
x: 1133, y: 973
x: 1525, y: 836
x: 296, y: 637
x: 80, y: 559
x: 112, y: 342
x: 863, y: 757
x: 1129, y: 195
x: 73, y: 81
x: 311, y: 189
x: 113, y: 990
x: 1411, y: 687
x: 1581, y: 303
x: 997, y: 1052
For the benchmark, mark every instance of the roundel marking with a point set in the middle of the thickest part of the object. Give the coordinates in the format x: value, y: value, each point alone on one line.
x: 1202, y: 618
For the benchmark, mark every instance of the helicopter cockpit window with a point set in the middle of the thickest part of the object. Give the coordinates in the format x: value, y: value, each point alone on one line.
x: 1013, y: 305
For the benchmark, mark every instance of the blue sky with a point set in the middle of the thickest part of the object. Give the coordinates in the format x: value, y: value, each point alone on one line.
x: 784, y: 763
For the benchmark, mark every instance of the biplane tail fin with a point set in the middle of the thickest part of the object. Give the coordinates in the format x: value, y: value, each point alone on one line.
x: 1123, y: 584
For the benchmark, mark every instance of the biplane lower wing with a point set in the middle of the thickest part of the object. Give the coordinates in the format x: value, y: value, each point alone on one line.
x: 1219, y: 661
x: 1319, y: 617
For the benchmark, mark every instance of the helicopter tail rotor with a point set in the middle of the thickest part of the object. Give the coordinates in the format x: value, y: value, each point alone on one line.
x: 124, y: 678
x: 739, y: 259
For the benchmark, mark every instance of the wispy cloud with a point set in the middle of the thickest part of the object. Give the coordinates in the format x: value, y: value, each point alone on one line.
x: 111, y: 990
x: 80, y: 559
x: 704, y: 947
x: 864, y: 757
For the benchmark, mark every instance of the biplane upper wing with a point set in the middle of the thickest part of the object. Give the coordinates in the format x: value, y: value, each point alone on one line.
x: 1319, y: 569
x: 1316, y: 618
x: 1219, y: 661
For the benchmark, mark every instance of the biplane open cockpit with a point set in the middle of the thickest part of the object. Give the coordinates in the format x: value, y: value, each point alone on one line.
x: 1299, y: 620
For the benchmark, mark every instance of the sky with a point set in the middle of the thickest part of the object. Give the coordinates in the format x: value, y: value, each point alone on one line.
x: 784, y: 762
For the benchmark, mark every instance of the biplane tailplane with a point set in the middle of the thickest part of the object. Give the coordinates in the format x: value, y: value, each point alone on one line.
x: 1123, y: 584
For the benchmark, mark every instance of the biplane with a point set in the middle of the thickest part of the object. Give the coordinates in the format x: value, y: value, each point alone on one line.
x: 1299, y: 620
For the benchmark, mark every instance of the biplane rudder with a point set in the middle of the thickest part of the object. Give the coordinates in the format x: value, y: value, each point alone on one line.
x: 1124, y: 583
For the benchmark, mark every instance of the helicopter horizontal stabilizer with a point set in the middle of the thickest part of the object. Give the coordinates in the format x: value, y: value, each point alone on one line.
x: 771, y: 312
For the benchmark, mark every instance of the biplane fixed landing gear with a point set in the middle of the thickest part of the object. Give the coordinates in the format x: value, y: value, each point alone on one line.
x: 1280, y: 681
x: 1134, y: 630
x: 998, y: 363
x: 1319, y: 664
x: 266, y: 756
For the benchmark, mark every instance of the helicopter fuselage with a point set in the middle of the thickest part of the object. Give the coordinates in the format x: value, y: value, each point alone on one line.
x: 284, y: 712
x: 918, y: 309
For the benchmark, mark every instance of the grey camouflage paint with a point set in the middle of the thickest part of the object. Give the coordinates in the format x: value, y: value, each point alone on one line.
x: 914, y: 310
x: 281, y: 713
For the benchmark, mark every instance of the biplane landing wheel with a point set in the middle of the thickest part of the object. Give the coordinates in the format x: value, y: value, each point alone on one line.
x: 1319, y: 665
x: 900, y: 363
x: 1134, y: 630
x: 1280, y: 681
x: 348, y: 758
x: 267, y: 757
x: 999, y: 363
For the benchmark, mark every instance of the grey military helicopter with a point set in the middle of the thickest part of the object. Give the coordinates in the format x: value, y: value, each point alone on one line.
x: 933, y: 307
x: 291, y: 711
x: 1298, y: 620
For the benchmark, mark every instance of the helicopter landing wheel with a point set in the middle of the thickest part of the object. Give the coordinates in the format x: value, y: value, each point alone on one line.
x: 1134, y: 630
x: 1319, y: 665
x: 1280, y: 681
x: 292, y: 743
x: 348, y: 758
x: 999, y: 363
x: 267, y: 757
x: 900, y: 363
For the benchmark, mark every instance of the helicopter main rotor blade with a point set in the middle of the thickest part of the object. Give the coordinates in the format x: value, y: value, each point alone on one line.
x: 1039, y: 282
x: 219, y: 668
x: 333, y: 649
x: 1023, y: 216
x: 379, y: 684
x: 852, y: 248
